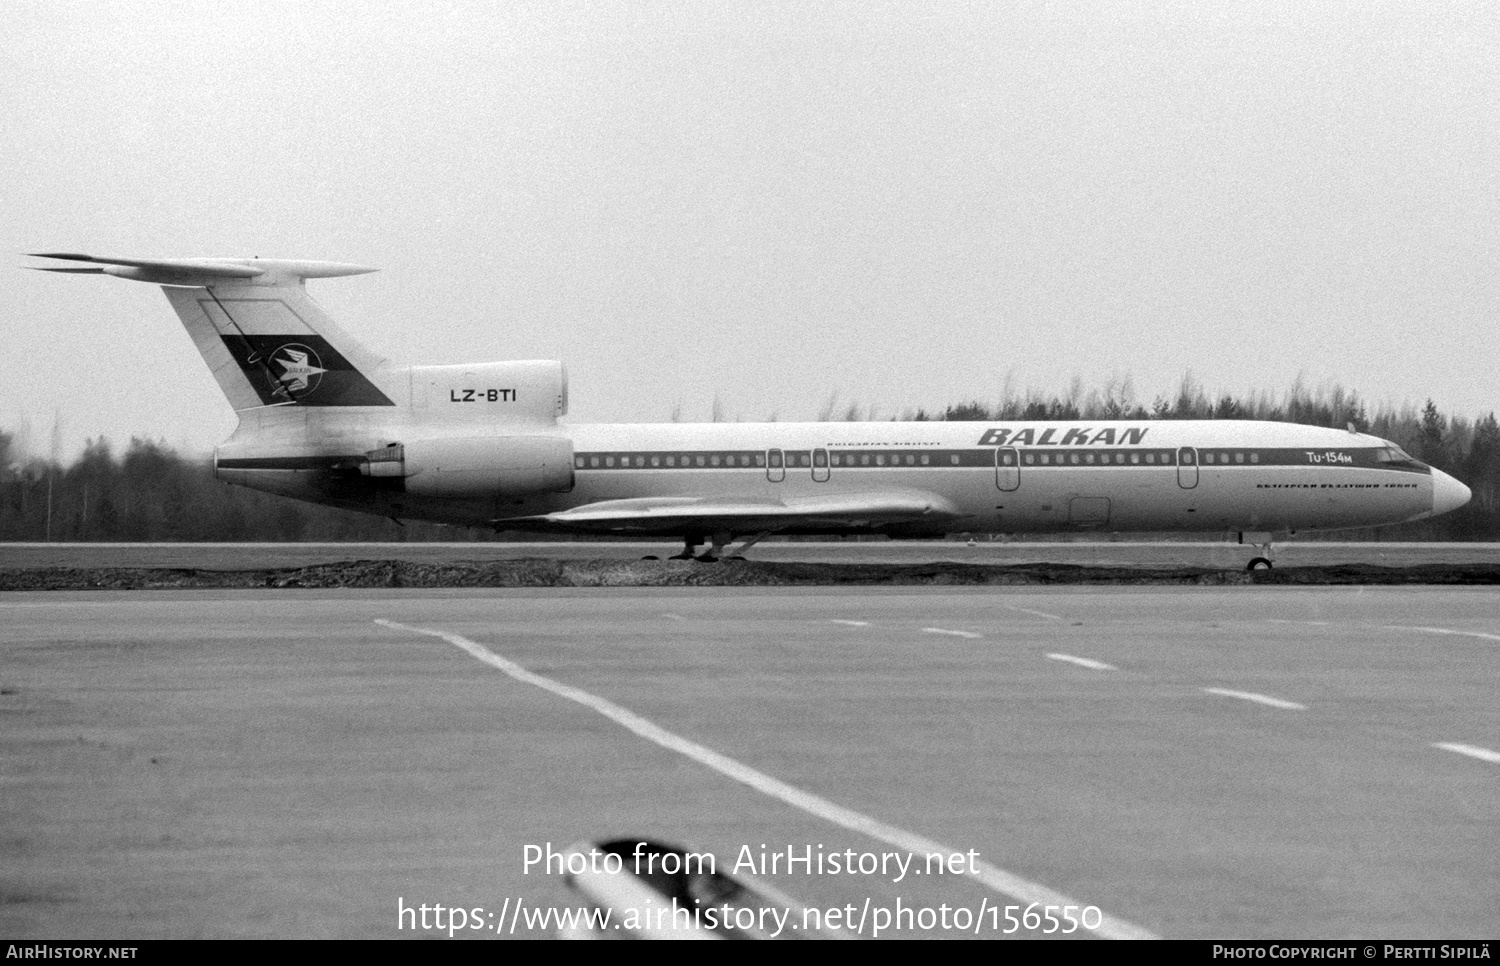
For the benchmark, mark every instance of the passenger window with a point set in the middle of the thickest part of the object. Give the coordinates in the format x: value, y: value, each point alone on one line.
x: 954, y: 459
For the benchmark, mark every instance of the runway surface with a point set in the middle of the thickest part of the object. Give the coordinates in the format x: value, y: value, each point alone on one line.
x: 1254, y: 762
x: 1220, y: 554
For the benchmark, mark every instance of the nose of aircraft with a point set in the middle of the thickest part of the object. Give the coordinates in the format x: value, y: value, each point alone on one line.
x: 1447, y: 493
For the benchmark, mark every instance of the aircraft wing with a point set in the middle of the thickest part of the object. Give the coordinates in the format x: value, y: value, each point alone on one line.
x: 858, y: 510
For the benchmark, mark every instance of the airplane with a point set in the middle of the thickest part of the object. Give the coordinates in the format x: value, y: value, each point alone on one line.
x: 324, y: 419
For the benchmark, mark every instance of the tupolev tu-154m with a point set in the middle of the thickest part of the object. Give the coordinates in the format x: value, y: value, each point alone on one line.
x: 324, y: 419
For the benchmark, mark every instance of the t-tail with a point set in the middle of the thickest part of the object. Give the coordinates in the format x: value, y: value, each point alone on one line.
x: 264, y: 338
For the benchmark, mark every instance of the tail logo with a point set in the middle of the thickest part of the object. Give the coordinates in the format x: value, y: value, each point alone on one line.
x: 301, y: 369
x: 297, y: 369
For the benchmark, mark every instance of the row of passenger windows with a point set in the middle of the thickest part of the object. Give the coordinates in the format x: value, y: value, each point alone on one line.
x: 896, y: 459
x: 1225, y: 457
x: 777, y: 459
x: 1133, y: 457
x: 674, y: 460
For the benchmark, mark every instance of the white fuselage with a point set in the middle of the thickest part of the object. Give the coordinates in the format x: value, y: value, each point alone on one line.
x: 1016, y: 477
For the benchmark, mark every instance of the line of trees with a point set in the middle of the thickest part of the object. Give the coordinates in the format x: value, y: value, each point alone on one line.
x: 152, y: 493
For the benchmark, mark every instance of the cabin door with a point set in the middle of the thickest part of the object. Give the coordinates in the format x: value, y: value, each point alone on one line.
x: 1187, y: 467
x: 820, y: 466
x: 775, y: 466
x: 1007, y: 468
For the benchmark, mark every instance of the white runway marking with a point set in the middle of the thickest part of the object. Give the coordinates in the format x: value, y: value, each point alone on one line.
x: 852, y: 623
x: 1277, y: 620
x: 1444, y: 630
x: 674, y: 617
x: 1473, y: 751
x: 938, y: 630
x: 1034, y: 613
x: 988, y: 875
x: 1087, y: 662
x: 1264, y: 699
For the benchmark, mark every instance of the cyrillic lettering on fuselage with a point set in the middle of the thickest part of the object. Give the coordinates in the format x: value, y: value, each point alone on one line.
x: 1072, y: 436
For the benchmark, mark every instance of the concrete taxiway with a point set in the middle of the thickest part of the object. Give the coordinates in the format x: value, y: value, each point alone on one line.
x: 1252, y: 762
x: 1142, y: 554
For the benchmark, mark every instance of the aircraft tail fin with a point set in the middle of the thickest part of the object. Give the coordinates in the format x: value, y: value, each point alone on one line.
x: 264, y: 338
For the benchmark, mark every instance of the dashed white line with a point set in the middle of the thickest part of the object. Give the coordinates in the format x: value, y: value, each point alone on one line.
x: 939, y: 630
x: 1473, y: 751
x: 1034, y: 613
x: 1087, y: 662
x: 851, y: 623
x: 1444, y: 630
x: 991, y: 876
x: 674, y: 617
x: 1264, y: 699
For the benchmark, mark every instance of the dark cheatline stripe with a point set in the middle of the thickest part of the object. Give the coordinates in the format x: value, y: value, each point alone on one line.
x: 290, y: 463
x: 1029, y: 458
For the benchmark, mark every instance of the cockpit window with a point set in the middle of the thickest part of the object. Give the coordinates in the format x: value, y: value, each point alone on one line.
x: 1395, y: 455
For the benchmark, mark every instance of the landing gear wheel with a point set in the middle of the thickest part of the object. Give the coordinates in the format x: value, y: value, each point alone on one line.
x: 1259, y: 563
x: 706, y: 558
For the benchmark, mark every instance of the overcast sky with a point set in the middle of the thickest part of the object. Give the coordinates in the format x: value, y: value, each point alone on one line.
x: 906, y: 204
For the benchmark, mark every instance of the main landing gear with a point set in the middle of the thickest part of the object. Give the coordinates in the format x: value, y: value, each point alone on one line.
x: 690, y: 550
x: 1262, y: 542
x: 718, y: 542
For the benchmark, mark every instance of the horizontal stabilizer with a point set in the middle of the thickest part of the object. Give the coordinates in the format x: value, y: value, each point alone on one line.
x: 264, y: 338
x: 206, y: 271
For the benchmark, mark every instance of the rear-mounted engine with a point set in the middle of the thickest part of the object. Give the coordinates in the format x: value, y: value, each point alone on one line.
x: 476, y: 467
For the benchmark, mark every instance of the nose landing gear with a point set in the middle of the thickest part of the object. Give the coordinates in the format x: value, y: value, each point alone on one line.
x: 1262, y: 541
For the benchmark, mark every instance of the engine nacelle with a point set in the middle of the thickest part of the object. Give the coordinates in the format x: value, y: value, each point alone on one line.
x: 534, y: 391
x: 477, y: 467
